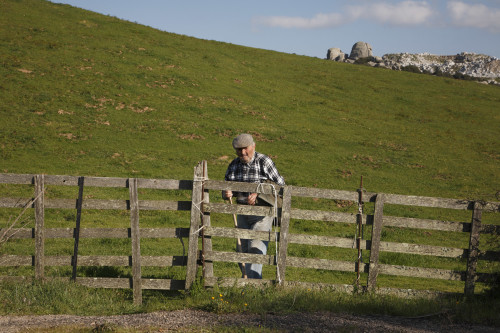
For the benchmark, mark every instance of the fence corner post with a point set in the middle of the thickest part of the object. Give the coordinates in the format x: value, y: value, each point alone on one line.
x: 196, y: 202
x: 39, y: 227
x: 375, y: 242
x: 208, y: 266
x: 283, y: 237
x: 473, y: 252
x: 136, y: 241
x: 76, y: 235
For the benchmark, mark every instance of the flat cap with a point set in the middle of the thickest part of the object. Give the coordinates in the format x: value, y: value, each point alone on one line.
x: 242, y: 141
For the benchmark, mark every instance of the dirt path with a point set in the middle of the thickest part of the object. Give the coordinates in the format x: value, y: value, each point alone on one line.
x: 184, y: 320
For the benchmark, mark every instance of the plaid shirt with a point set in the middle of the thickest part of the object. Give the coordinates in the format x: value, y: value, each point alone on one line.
x: 259, y: 169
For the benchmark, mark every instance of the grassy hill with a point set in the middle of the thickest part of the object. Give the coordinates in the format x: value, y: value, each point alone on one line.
x: 87, y: 94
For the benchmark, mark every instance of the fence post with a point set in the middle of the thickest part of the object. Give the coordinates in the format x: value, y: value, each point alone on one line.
x: 39, y: 227
x: 375, y: 242
x: 359, y: 232
x: 473, y: 249
x: 196, y: 202
x: 136, y: 241
x: 208, y: 267
x: 283, y: 238
x: 77, y: 227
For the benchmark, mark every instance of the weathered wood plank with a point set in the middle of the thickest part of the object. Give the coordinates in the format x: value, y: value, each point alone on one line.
x: 325, y: 264
x: 12, y: 178
x: 88, y: 204
x: 473, y: 252
x: 88, y: 233
x: 165, y: 184
x: 317, y: 215
x: 238, y: 257
x: 422, y: 249
x: 240, y: 233
x: 62, y: 180
x: 323, y: 241
x: 422, y: 272
x: 324, y: 193
x: 122, y: 261
x: 39, y: 227
x: 213, y: 207
x: 89, y: 181
x: 16, y: 260
x: 99, y: 204
x: 20, y: 233
x: 15, y: 202
x: 378, y: 221
x: 136, y: 241
x: 162, y: 184
x: 88, y: 261
x: 408, y: 222
x: 412, y: 200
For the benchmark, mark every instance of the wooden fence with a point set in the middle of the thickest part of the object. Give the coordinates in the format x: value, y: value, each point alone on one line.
x: 200, y: 226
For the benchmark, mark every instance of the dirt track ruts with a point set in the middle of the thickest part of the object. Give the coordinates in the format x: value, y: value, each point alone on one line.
x: 185, y: 320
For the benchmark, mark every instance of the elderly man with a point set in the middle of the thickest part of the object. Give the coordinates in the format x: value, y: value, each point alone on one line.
x: 252, y: 167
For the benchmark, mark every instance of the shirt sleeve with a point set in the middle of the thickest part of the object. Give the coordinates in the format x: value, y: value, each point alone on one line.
x: 272, y: 172
x: 231, y: 172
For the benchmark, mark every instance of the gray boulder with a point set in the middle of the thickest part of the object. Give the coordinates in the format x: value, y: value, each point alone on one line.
x: 335, y: 54
x: 361, y: 50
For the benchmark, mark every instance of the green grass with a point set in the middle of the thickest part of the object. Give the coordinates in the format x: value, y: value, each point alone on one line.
x: 69, y: 298
x: 91, y: 95
x: 87, y: 94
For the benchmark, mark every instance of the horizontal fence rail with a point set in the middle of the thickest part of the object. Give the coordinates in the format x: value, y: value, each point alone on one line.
x: 200, y: 228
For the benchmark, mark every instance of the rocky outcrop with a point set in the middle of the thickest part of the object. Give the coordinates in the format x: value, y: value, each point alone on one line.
x: 470, y: 64
x: 484, y: 68
x: 361, y: 50
x: 336, y: 54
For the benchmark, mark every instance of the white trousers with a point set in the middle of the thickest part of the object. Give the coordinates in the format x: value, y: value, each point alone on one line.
x: 258, y: 223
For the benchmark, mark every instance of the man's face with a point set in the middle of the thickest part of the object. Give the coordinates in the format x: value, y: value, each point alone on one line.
x: 246, y: 154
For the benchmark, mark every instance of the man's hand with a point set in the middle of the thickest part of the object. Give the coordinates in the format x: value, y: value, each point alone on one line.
x: 228, y: 194
x: 252, y: 198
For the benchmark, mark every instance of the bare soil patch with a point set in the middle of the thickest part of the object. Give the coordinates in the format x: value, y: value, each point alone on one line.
x: 195, y: 320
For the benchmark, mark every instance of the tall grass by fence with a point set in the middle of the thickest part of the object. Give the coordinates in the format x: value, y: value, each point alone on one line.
x: 201, y: 235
